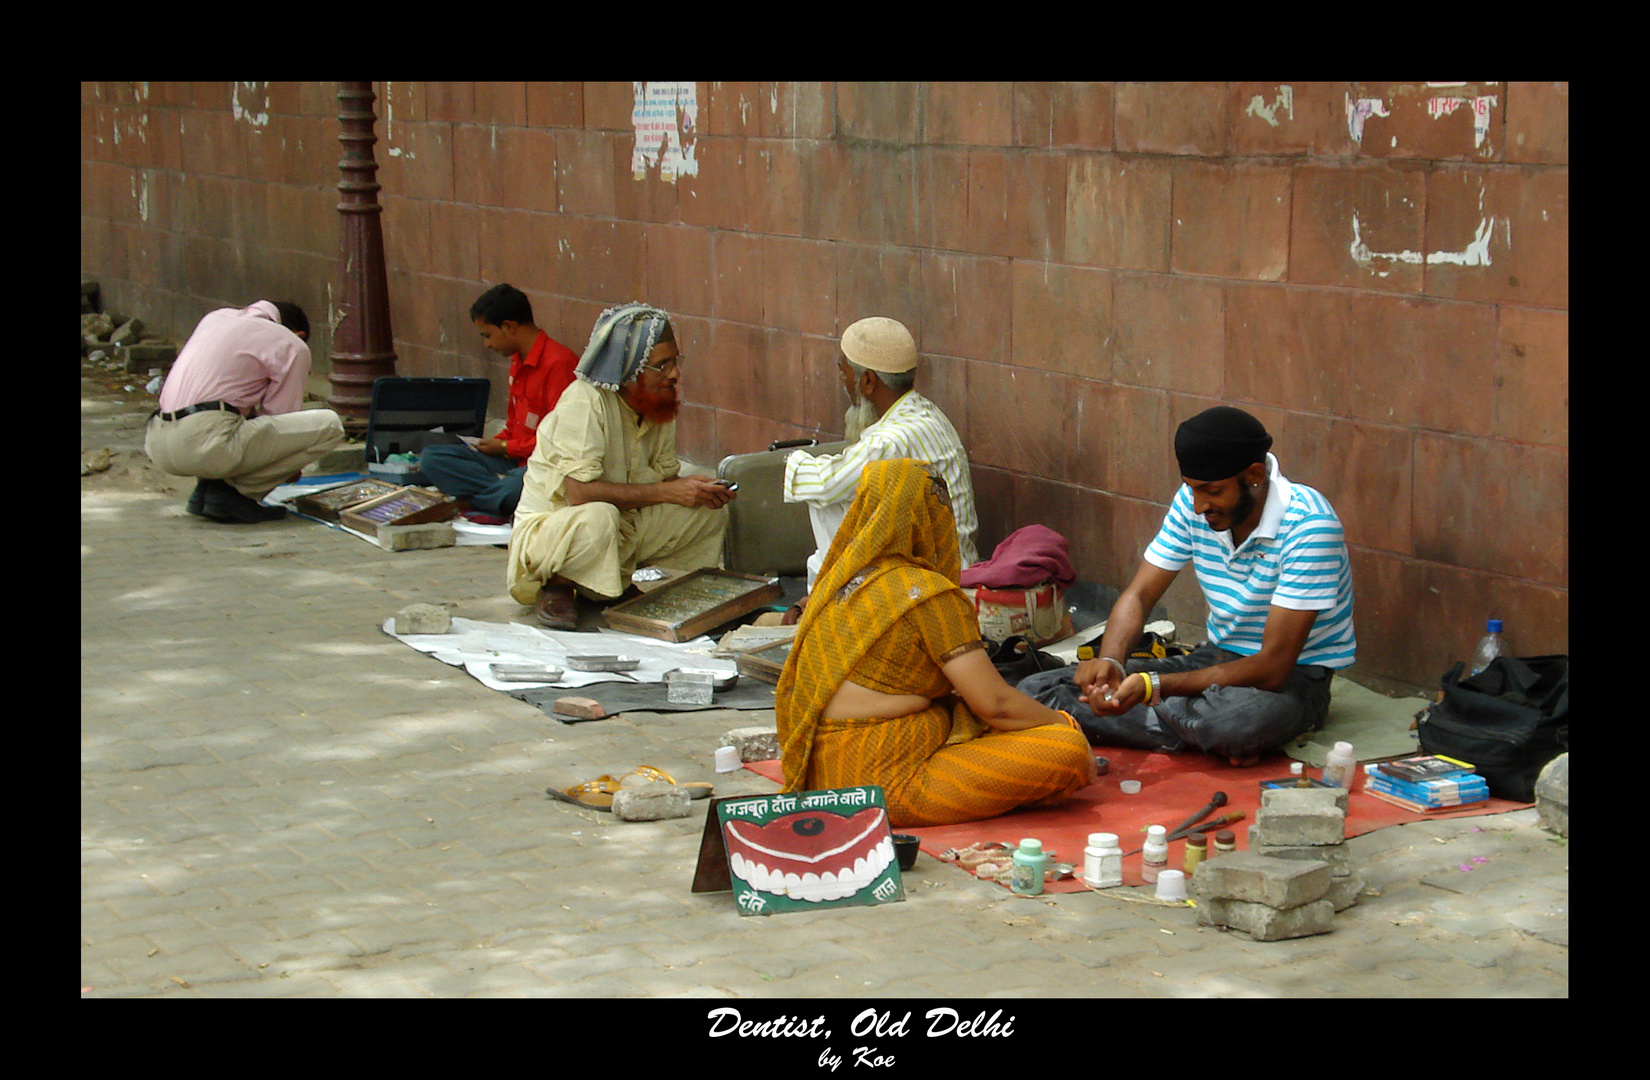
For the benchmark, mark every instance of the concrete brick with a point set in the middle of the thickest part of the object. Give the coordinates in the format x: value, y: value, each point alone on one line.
x: 1265, y: 923
x: 1293, y: 800
x: 754, y: 743
x: 1336, y: 856
x: 423, y: 619
x: 1344, y: 891
x: 1292, y: 821
x: 434, y: 534
x: 651, y: 802
x: 1260, y: 879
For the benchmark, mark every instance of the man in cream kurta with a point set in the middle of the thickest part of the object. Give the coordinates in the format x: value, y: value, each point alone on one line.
x: 878, y: 367
x: 603, y: 492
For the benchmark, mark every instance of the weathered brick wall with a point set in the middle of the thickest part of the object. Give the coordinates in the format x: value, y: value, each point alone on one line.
x: 1379, y: 271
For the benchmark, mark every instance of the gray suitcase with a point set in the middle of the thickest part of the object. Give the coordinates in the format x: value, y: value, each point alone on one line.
x: 766, y: 534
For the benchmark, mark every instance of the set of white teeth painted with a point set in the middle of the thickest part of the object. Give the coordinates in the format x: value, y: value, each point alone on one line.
x: 816, y: 887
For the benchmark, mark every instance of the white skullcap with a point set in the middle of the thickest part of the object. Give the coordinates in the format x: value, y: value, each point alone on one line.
x: 881, y: 344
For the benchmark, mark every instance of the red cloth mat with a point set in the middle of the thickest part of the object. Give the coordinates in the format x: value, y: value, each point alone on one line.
x: 1172, y: 788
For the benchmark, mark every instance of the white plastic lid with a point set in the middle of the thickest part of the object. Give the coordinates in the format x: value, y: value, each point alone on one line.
x: 1343, y: 748
x: 1030, y: 846
x: 1156, y: 832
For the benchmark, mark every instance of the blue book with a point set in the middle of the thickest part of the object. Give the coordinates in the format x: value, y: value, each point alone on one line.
x: 1471, y: 788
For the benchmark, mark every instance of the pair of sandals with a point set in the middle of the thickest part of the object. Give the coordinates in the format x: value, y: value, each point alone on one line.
x: 598, y: 794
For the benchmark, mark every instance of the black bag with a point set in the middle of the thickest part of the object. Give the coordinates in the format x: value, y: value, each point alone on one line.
x: 1508, y: 721
x: 1015, y: 659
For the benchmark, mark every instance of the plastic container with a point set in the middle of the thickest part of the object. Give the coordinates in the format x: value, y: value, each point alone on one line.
x: 1489, y: 647
x: 1103, y: 861
x: 1197, y: 849
x: 1341, y: 766
x: 1171, y: 885
x: 1026, y: 875
x: 1225, y: 842
x: 1154, y: 857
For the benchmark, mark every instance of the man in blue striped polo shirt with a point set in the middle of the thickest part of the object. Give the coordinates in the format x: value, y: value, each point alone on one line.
x: 1271, y: 558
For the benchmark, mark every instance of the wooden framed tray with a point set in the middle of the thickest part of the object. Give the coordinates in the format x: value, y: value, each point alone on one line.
x: 328, y: 504
x: 765, y: 663
x: 402, y: 506
x: 693, y: 603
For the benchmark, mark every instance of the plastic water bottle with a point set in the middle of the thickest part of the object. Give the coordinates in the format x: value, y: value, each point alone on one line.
x: 1489, y: 647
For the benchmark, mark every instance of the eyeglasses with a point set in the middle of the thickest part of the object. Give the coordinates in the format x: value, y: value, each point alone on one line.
x: 672, y: 366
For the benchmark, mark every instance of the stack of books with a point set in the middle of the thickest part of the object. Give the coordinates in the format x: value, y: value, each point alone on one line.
x: 1427, y: 783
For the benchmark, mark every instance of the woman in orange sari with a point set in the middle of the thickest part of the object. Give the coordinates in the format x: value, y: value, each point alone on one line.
x: 889, y: 682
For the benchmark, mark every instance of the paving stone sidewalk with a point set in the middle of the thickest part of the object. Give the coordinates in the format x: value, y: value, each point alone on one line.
x: 279, y: 800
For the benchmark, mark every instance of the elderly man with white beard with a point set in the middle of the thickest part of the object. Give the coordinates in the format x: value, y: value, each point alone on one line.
x: 886, y: 418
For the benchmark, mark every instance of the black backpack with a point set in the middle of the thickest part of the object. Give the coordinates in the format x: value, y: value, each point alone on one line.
x: 1509, y: 721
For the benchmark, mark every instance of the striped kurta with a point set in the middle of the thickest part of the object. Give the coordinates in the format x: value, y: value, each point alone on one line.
x: 913, y: 427
x: 1296, y: 558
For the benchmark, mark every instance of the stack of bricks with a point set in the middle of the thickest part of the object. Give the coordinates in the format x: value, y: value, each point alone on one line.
x: 1293, y: 878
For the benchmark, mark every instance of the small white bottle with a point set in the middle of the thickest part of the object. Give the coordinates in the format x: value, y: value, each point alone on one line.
x: 1154, y: 857
x: 1341, y: 766
x: 1103, y: 861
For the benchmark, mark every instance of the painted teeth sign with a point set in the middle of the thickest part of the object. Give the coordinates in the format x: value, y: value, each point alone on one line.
x: 810, y: 849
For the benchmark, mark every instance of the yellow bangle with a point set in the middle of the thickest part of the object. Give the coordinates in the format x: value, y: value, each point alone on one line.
x: 1146, y: 679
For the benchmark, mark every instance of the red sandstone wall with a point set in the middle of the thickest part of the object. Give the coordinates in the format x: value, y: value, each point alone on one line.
x: 1379, y: 271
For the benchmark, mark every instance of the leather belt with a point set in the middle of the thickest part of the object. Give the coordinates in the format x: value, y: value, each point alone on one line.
x: 205, y: 406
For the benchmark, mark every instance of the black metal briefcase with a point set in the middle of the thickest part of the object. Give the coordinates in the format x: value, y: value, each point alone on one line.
x: 408, y: 414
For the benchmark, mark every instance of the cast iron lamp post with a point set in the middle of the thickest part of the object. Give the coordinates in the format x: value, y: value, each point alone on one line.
x: 362, y: 347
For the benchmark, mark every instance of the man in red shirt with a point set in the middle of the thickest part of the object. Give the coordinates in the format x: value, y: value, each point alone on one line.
x: 489, y: 475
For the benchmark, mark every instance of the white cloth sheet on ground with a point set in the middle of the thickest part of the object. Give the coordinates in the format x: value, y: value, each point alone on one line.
x: 475, y: 645
x: 468, y: 531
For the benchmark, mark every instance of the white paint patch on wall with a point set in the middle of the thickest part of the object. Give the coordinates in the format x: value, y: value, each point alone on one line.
x: 1360, y: 110
x: 389, y: 125
x: 665, y: 118
x: 255, y: 110
x: 1285, y: 100
x: 1476, y: 253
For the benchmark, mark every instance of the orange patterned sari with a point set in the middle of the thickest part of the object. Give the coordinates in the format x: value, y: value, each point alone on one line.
x: 886, y: 611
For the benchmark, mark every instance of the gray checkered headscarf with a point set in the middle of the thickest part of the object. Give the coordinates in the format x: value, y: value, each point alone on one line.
x: 620, y: 343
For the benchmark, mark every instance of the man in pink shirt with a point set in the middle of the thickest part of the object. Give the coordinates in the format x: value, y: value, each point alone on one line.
x: 230, y: 411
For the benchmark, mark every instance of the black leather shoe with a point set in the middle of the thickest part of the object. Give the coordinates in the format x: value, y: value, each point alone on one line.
x: 197, y: 499
x: 224, y: 503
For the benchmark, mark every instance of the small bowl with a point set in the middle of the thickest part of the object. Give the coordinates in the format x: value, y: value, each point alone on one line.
x: 905, y: 849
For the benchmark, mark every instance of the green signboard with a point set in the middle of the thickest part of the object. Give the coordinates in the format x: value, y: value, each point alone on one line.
x: 805, y: 850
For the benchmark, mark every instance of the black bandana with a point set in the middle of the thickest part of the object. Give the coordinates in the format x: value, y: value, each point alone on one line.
x: 1219, y: 443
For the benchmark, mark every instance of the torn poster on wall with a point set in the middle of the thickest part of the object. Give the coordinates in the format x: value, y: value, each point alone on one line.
x: 666, y: 120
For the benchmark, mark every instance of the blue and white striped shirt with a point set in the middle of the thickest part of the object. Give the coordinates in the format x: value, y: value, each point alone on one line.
x: 1296, y: 558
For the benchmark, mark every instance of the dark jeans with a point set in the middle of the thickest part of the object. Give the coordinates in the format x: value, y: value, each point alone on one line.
x: 1231, y: 721
x: 489, y: 484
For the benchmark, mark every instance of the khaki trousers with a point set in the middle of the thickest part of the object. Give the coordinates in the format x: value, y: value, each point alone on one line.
x: 253, y: 456
x: 597, y: 546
